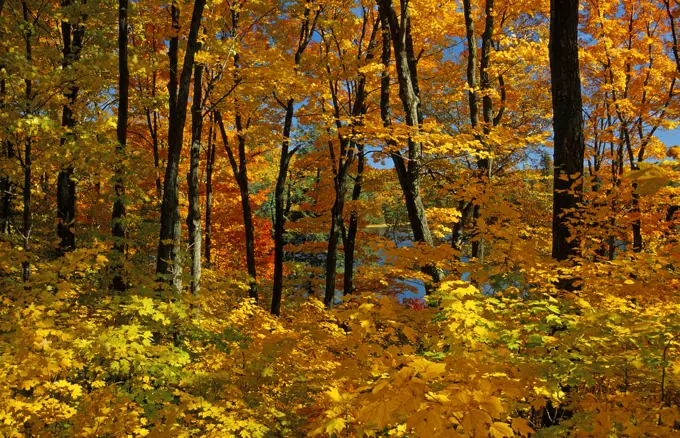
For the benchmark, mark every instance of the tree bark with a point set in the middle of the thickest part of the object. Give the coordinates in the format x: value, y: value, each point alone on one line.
x: 569, y: 141
x: 210, y: 162
x: 484, y: 84
x: 408, y: 171
x: 7, y: 151
x: 27, y: 214
x: 6, y: 189
x: 118, y: 213
x: 6, y: 186
x: 194, y: 217
x: 240, y: 170
x: 152, y: 123
x: 72, y: 35
x: 306, y: 32
x: 350, y: 240
x: 167, y: 260
x: 339, y: 182
x: 344, y: 160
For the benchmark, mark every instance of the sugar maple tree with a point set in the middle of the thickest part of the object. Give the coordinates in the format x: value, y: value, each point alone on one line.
x: 395, y: 151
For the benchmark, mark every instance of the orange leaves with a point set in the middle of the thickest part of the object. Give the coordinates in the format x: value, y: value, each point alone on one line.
x: 650, y: 178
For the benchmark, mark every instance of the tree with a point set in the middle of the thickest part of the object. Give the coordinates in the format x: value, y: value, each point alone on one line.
x: 118, y: 213
x: 407, y: 168
x: 569, y: 142
x: 310, y: 15
x: 356, y: 108
x: 167, y: 260
x: 73, y: 33
x: 194, y: 216
x: 28, y: 154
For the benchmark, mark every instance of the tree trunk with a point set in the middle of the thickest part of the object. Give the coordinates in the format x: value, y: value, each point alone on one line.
x: 240, y: 170
x: 344, y: 160
x: 194, y: 217
x: 152, y: 123
x: 334, y: 236
x: 409, y: 93
x: 350, y: 240
x: 210, y: 162
x: 306, y: 33
x: 471, y: 64
x: 248, y: 223
x: 278, y: 212
x: 72, y: 35
x: 27, y: 215
x: 569, y: 142
x: 167, y: 260
x: 6, y: 188
x: 487, y: 104
x: 118, y: 214
x: 7, y: 151
x: 637, y: 225
x: 458, y: 233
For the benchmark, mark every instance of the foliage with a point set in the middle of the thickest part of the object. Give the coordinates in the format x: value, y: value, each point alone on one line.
x: 497, y: 348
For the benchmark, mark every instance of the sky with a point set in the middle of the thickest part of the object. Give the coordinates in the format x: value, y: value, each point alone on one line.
x: 670, y: 138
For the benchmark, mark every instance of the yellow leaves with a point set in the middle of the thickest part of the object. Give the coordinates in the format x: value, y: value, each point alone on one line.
x: 457, y: 289
x: 335, y: 425
x: 649, y: 177
x: 410, y: 334
x: 521, y: 426
x: 337, y: 397
x: 500, y: 430
x: 673, y: 152
x: 426, y: 423
x: 373, y: 68
x: 268, y: 371
x: 427, y: 369
x: 492, y: 405
x: 477, y: 420
x: 67, y: 387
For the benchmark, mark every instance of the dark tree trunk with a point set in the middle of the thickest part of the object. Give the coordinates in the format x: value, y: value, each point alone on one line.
x: 487, y: 104
x: 27, y: 215
x: 344, y: 160
x: 7, y: 153
x: 569, y: 142
x: 350, y: 240
x: 279, y: 207
x: 637, y: 225
x: 458, y: 233
x: 194, y: 217
x: 248, y: 223
x: 6, y: 188
x: 72, y: 36
x: 152, y: 123
x: 240, y: 170
x: 7, y: 150
x: 167, y: 260
x: 210, y: 162
x: 118, y: 214
x: 408, y: 171
x: 334, y: 237
x: 66, y: 209
x: 306, y: 33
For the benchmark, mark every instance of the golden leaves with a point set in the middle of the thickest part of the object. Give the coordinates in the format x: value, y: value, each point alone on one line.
x: 649, y: 178
x: 521, y: 426
x: 500, y: 430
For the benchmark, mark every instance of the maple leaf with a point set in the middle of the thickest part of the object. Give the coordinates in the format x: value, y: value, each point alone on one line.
x: 521, y: 426
x: 500, y: 430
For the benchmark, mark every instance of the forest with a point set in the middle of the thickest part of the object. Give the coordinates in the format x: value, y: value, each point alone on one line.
x: 339, y: 218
